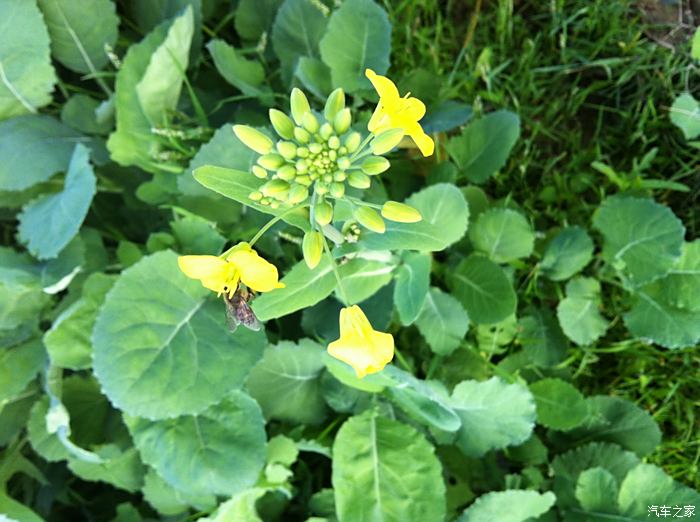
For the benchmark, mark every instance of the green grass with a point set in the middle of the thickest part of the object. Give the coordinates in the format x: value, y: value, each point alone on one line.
x: 589, y: 86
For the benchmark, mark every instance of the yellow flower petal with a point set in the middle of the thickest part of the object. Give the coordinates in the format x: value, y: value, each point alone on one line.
x: 360, y: 346
x: 425, y: 143
x: 256, y: 273
x: 213, y: 272
x: 384, y: 87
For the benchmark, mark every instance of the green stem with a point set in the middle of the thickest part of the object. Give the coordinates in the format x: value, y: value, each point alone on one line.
x: 334, y: 267
x: 362, y: 146
x: 272, y: 222
x: 401, y: 359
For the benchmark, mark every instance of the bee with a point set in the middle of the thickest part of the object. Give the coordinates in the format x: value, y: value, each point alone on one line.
x: 238, y: 311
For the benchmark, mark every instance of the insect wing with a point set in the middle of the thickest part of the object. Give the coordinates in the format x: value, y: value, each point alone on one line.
x: 232, y: 319
x: 246, y: 316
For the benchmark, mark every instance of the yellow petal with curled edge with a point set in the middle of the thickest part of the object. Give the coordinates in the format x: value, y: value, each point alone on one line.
x: 256, y: 273
x: 213, y: 272
x: 384, y: 87
x: 359, y: 345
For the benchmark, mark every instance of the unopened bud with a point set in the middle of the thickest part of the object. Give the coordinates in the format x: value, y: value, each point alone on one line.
x: 273, y: 187
x: 337, y: 190
x: 287, y: 172
x: 370, y: 219
x: 301, y: 135
x: 400, y: 212
x: 259, y: 172
x: 315, y: 148
x: 340, y: 176
x: 358, y: 180
x: 287, y: 149
x: 303, y: 180
x: 334, y: 142
x: 312, y: 248
x: 274, y: 204
x: 343, y: 163
x: 334, y: 104
x: 375, y: 165
x: 302, y: 152
x: 321, y: 188
x: 342, y: 121
x: 271, y: 161
x: 310, y: 122
x: 253, y: 138
x: 323, y: 213
x: 282, y: 124
x: 386, y: 141
x: 298, y: 193
x: 326, y: 131
x: 301, y: 166
x: 352, y: 142
x: 299, y: 105
x: 255, y: 196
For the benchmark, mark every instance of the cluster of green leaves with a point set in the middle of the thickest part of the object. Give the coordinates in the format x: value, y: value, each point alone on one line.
x: 123, y: 396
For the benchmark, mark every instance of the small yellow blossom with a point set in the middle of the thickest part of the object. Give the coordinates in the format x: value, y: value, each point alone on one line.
x: 394, y: 112
x: 360, y: 346
x: 222, y: 275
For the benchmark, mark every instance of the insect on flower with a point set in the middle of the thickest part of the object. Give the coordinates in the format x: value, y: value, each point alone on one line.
x: 238, y: 311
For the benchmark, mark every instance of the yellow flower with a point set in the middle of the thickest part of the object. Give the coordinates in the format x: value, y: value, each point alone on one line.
x: 222, y: 275
x: 363, y: 348
x: 394, y: 112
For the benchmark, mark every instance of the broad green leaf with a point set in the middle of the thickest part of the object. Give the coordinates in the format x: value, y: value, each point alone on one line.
x: 32, y: 149
x: 494, y: 415
x: 195, y: 235
x: 85, y: 114
x: 695, y: 47
x: 373, y: 383
x: 492, y: 338
x: 165, y: 499
x: 385, y: 471
x: 80, y: 30
x: 445, y: 116
x: 26, y: 74
x: 680, y: 288
x: 442, y: 321
x: 648, y: 485
x: 244, y: 74
x: 685, y: 114
x: 121, y: 468
x: 503, y: 235
x: 642, y: 237
x: 315, y: 76
x: 596, y: 490
x: 254, y: 17
x: 617, y: 420
x: 298, y: 28
x: 44, y: 443
x: 425, y: 401
x: 147, y: 87
x: 362, y: 278
x: 560, y: 405
x: 653, y: 320
x: 240, y: 508
x: 15, y: 511
x: 508, y: 506
x: 412, y: 283
x: 68, y: 341
x: 568, y: 467
x: 14, y: 413
x: 18, y: 366
x: 286, y: 382
x: 484, y: 290
x: 48, y: 223
x: 162, y: 348
x: 579, y: 314
x: 541, y: 337
x: 219, y: 451
x: 445, y: 216
x: 358, y: 37
x: 303, y: 288
x: 566, y: 254
x: 482, y: 148
x: 237, y: 185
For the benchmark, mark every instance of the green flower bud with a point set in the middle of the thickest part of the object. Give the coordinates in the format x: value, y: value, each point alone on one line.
x: 287, y: 172
x: 337, y: 190
x: 265, y: 201
x: 326, y: 131
x: 334, y: 142
x: 334, y: 104
x: 299, y: 105
x: 315, y: 148
x: 273, y: 187
x: 343, y: 163
x: 342, y: 121
x: 375, y: 165
x: 274, y: 204
x: 328, y: 178
x: 301, y: 135
x: 301, y: 166
x: 323, y: 212
x: 400, y: 212
x: 271, y: 161
x: 255, y: 196
x: 282, y: 196
x: 386, y: 141
x: 358, y: 180
x: 310, y: 122
x: 287, y: 149
x: 332, y: 155
x: 342, y: 150
x: 259, y: 172
x: 370, y: 219
x: 312, y: 248
x: 282, y: 124
x: 321, y: 188
x: 253, y: 138
x: 304, y: 180
x: 302, y: 152
x: 352, y: 142
x: 298, y: 193
x: 340, y: 176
